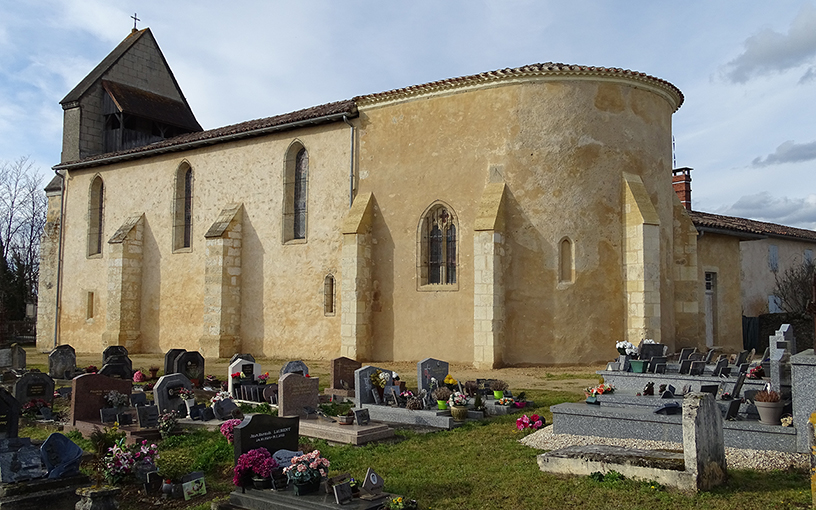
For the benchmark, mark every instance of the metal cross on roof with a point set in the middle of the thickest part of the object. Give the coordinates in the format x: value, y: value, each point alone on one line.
x: 135, y: 19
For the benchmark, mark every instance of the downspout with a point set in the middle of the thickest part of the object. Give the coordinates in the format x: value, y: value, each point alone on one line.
x: 351, y: 162
x: 59, y: 257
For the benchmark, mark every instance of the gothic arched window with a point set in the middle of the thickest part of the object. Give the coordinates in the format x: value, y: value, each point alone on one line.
x: 296, y: 193
x: 437, y: 264
x: 96, y: 216
x: 183, y: 208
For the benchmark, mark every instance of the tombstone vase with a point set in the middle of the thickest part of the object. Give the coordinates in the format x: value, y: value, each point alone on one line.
x: 442, y: 404
x: 261, y: 483
x: 498, y: 395
x: 769, y: 412
x: 459, y: 413
x: 307, y: 487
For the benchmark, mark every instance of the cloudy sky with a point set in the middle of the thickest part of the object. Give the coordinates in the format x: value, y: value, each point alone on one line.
x: 747, y: 69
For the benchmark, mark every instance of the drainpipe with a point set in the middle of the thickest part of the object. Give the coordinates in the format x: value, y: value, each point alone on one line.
x: 59, y: 257
x: 351, y: 162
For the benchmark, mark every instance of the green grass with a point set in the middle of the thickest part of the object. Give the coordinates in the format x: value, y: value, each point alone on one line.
x: 483, y: 466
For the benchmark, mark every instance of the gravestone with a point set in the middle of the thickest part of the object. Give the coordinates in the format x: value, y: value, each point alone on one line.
x: 363, y: 385
x: 224, y: 409
x: 14, y: 357
x: 719, y: 367
x: 248, y: 368
x: 9, y: 415
x: 165, y: 393
x: 20, y: 461
x: 738, y: 386
x: 264, y: 431
x: 703, y: 445
x: 685, y: 366
x: 655, y: 360
x: 660, y: 368
x: 697, y: 368
x: 710, y: 389
x: 696, y: 356
x: 431, y: 368
x: 373, y: 482
x: 197, y: 411
x: 117, y: 366
x: 294, y: 367
x: 342, y: 492
x: 623, y: 363
x: 733, y: 410
x: 270, y: 394
x: 108, y: 414
x: 296, y: 392
x: 89, y: 392
x: 138, y: 399
x: 62, y: 361
x: 782, y: 345
x: 742, y: 357
x: 61, y: 456
x: 114, y: 350
x: 361, y: 416
x: 710, y: 355
x: 648, y: 351
x: 208, y: 414
x: 34, y: 386
x: 169, y: 358
x: 148, y: 416
x: 190, y: 364
x: 246, y: 356
x: 686, y: 352
x: 342, y: 376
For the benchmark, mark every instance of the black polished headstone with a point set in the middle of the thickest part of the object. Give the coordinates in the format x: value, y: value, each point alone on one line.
x: 294, y: 367
x: 34, y: 386
x: 138, y: 399
x: 697, y: 368
x: 9, y: 415
x: 113, y: 350
x: 246, y: 356
x: 169, y: 358
x: 190, y: 364
x: 265, y: 431
x: 685, y: 366
x: 148, y: 416
x: 223, y: 409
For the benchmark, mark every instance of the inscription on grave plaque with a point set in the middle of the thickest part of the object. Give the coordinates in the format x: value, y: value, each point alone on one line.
x: 248, y: 370
x: 36, y: 390
x: 361, y: 416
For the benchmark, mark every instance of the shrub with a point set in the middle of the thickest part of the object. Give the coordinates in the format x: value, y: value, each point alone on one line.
x: 442, y: 393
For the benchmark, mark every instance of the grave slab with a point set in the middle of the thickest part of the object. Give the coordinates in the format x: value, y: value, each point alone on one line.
x: 286, y: 500
x: 346, y: 434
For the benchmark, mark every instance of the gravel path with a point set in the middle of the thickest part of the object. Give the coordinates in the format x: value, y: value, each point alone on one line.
x: 735, y: 458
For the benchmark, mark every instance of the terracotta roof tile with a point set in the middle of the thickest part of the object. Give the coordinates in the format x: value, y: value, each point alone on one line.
x: 709, y: 220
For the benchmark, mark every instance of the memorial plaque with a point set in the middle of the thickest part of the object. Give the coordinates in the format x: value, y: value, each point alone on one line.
x: 373, y: 483
x: 361, y: 416
x: 138, y: 399
x: 265, y: 431
x: 710, y: 388
x: 342, y: 493
x: 108, y: 414
x: 686, y: 352
x: 148, y: 416
x: 685, y: 366
x: 697, y: 368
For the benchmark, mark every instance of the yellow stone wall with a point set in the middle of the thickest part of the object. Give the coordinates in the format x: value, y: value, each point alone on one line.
x: 757, y: 276
x: 721, y: 254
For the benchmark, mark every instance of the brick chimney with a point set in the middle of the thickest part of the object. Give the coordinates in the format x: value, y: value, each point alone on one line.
x: 681, y: 181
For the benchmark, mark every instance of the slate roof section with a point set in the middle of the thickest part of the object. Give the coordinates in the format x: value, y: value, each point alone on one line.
x: 743, y: 225
x: 103, y: 66
x: 547, y: 68
x: 330, y: 112
x: 54, y: 185
x: 151, y: 106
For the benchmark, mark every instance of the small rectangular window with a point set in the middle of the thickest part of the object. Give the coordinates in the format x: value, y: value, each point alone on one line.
x: 773, y: 258
x: 89, y: 306
x: 774, y: 304
x: 809, y: 256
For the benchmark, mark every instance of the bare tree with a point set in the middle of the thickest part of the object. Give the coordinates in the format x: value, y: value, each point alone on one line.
x: 794, y: 287
x: 23, y: 208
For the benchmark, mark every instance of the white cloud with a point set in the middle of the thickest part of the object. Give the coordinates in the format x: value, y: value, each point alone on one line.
x: 797, y: 212
x: 788, y: 152
x: 768, y: 52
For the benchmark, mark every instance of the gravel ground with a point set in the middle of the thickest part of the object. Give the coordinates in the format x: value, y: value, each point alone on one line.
x: 736, y: 458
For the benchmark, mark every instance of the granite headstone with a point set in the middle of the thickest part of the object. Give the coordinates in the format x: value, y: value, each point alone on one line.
x: 62, y: 362
x: 34, y: 386
x: 89, y: 392
x: 165, y: 392
x: 294, y: 367
x: 264, y: 431
x: 296, y: 392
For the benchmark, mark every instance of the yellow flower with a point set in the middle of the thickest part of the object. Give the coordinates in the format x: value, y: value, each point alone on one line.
x: 449, y: 379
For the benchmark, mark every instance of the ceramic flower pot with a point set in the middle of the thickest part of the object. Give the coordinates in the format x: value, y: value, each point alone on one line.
x: 262, y: 482
x: 345, y: 420
x: 307, y: 488
x: 442, y: 404
x: 459, y: 413
x: 498, y: 394
x: 769, y: 412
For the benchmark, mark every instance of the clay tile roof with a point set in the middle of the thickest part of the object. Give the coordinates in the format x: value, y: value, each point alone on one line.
x: 315, y: 114
x: 151, y: 106
x: 547, y: 68
x: 744, y: 225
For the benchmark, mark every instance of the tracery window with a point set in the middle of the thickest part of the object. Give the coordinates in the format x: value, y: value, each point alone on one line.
x: 296, y: 190
x: 96, y: 216
x: 437, y: 264
x: 183, y: 208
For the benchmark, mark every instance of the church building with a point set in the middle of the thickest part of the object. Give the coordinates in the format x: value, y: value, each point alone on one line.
x: 518, y: 216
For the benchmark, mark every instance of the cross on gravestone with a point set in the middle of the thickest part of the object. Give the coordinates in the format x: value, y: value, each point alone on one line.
x: 431, y: 368
x: 264, y: 431
x: 294, y: 367
x: 296, y: 392
x: 89, y: 392
x: 34, y: 386
x: 165, y: 392
x: 61, y: 361
x: 9, y: 415
x: 148, y: 416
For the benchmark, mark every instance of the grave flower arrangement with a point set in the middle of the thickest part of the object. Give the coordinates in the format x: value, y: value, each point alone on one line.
x: 91, y: 369
x: 533, y: 422
x: 123, y: 459
x: 227, y: 429
x: 258, y: 463
x: 186, y: 394
x: 221, y: 395
x: 450, y: 382
x: 458, y: 399
x: 308, y: 467
x: 33, y: 406
x: 139, y: 376
x: 263, y: 378
x: 506, y: 401
x: 756, y: 372
x: 115, y: 399
x: 400, y: 503
x: 627, y: 348
x: 407, y: 394
x: 236, y: 375
x: 599, y: 390
x: 168, y: 421
x: 379, y: 379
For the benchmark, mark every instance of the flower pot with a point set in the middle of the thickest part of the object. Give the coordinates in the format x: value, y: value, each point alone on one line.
x: 622, y: 351
x: 638, y: 366
x: 153, y: 372
x: 769, y: 412
x: 520, y: 404
x: 262, y: 482
x: 459, y: 413
x: 498, y: 394
x: 307, y: 487
x: 345, y: 420
x: 442, y: 404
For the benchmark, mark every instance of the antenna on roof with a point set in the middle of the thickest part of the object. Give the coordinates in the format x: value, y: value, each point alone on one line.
x: 135, y: 19
x: 674, y: 153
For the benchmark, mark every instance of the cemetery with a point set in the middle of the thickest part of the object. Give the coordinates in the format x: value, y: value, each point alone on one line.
x: 63, y: 421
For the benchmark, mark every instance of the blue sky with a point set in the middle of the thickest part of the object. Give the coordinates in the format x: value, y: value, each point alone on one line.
x: 747, y: 69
